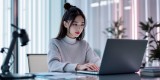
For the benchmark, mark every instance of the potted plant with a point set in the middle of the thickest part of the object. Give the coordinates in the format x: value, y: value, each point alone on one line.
x: 116, y: 30
x: 150, y: 29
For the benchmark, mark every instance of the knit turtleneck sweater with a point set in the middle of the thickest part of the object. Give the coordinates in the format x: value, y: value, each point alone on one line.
x: 65, y: 54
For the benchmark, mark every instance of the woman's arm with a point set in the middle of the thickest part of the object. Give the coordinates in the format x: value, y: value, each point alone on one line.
x: 92, y: 57
x: 54, y: 60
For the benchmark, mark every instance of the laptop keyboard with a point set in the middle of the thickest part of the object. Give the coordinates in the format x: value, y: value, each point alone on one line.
x: 88, y: 72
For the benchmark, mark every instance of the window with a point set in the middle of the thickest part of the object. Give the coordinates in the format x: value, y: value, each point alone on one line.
x: 101, y: 14
x: 5, y: 28
x: 40, y: 18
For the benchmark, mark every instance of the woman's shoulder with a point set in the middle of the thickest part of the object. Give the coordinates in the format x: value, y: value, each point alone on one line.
x: 84, y: 42
x: 54, y: 41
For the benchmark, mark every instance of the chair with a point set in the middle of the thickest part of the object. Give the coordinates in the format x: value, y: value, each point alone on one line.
x: 37, y: 63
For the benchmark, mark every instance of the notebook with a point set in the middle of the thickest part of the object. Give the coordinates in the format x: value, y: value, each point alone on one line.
x: 121, y: 56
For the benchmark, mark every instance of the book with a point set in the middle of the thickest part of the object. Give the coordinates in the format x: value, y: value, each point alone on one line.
x: 150, y: 71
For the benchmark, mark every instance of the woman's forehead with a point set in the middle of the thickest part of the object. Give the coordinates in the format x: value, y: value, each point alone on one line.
x: 79, y: 19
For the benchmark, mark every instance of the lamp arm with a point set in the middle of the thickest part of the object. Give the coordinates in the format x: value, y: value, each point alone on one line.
x: 5, y: 66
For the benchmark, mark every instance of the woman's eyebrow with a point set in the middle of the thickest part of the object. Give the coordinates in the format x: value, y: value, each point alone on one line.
x: 76, y: 22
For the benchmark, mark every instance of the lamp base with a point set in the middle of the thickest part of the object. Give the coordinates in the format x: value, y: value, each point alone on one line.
x: 17, y: 76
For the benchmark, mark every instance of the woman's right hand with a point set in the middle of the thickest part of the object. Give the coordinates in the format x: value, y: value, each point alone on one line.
x: 88, y: 67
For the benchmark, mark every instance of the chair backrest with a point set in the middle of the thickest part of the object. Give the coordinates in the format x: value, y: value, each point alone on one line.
x: 37, y: 63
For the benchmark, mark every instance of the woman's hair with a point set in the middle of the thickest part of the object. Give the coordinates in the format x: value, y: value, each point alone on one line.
x: 71, y: 13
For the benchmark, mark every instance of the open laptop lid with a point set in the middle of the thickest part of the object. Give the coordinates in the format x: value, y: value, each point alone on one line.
x: 122, y: 56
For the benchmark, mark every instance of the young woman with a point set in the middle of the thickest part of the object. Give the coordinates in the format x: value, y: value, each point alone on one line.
x: 68, y: 51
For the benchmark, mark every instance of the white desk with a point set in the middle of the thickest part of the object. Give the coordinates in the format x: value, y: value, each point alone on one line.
x: 78, y: 76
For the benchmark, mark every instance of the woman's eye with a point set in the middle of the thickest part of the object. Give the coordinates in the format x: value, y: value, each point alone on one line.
x: 74, y: 24
x: 82, y: 25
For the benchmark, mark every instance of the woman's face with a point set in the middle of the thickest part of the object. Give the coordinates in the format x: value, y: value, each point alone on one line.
x: 76, y: 27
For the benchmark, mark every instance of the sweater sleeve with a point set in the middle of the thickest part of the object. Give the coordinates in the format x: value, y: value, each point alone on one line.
x: 92, y: 57
x: 54, y: 60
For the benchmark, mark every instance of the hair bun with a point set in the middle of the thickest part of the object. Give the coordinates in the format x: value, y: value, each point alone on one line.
x: 67, y: 6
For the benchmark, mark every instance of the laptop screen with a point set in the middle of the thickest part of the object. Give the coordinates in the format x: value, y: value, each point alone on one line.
x: 122, y: 56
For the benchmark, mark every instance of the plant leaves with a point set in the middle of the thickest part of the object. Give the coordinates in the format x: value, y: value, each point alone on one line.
x: 150, y: 20
x: 115, y: 30
x: 152, y: 36
x: 158, y: 42
x: 151, y: 41
x: 144, y: 26
x: 115, y: 24
x: 157, y: 25
x: 152, y: 46
x: 151, y: 28
x: 145, y: 37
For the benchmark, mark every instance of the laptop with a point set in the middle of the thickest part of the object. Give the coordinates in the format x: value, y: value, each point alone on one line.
x: 121, y: 56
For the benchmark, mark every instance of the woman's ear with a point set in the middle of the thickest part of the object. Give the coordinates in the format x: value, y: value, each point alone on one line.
x: 66, y: 25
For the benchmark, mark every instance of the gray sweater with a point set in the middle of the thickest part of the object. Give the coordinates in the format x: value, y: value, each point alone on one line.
x: 65, y: 54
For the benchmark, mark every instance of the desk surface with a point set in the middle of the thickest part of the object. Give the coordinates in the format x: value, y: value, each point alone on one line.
x: 77, y: 76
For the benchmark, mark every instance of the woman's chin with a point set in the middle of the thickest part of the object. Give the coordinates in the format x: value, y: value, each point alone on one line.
x: 76, y: 35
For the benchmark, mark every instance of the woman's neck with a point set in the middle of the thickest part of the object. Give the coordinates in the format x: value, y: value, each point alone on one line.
x: 69, y: 40
x: 71, y: 36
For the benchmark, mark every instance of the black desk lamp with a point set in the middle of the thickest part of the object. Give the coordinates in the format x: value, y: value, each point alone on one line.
x: 6, y: 74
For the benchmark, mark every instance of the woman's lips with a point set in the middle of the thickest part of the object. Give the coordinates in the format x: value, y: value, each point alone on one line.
x: 77, y: 32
